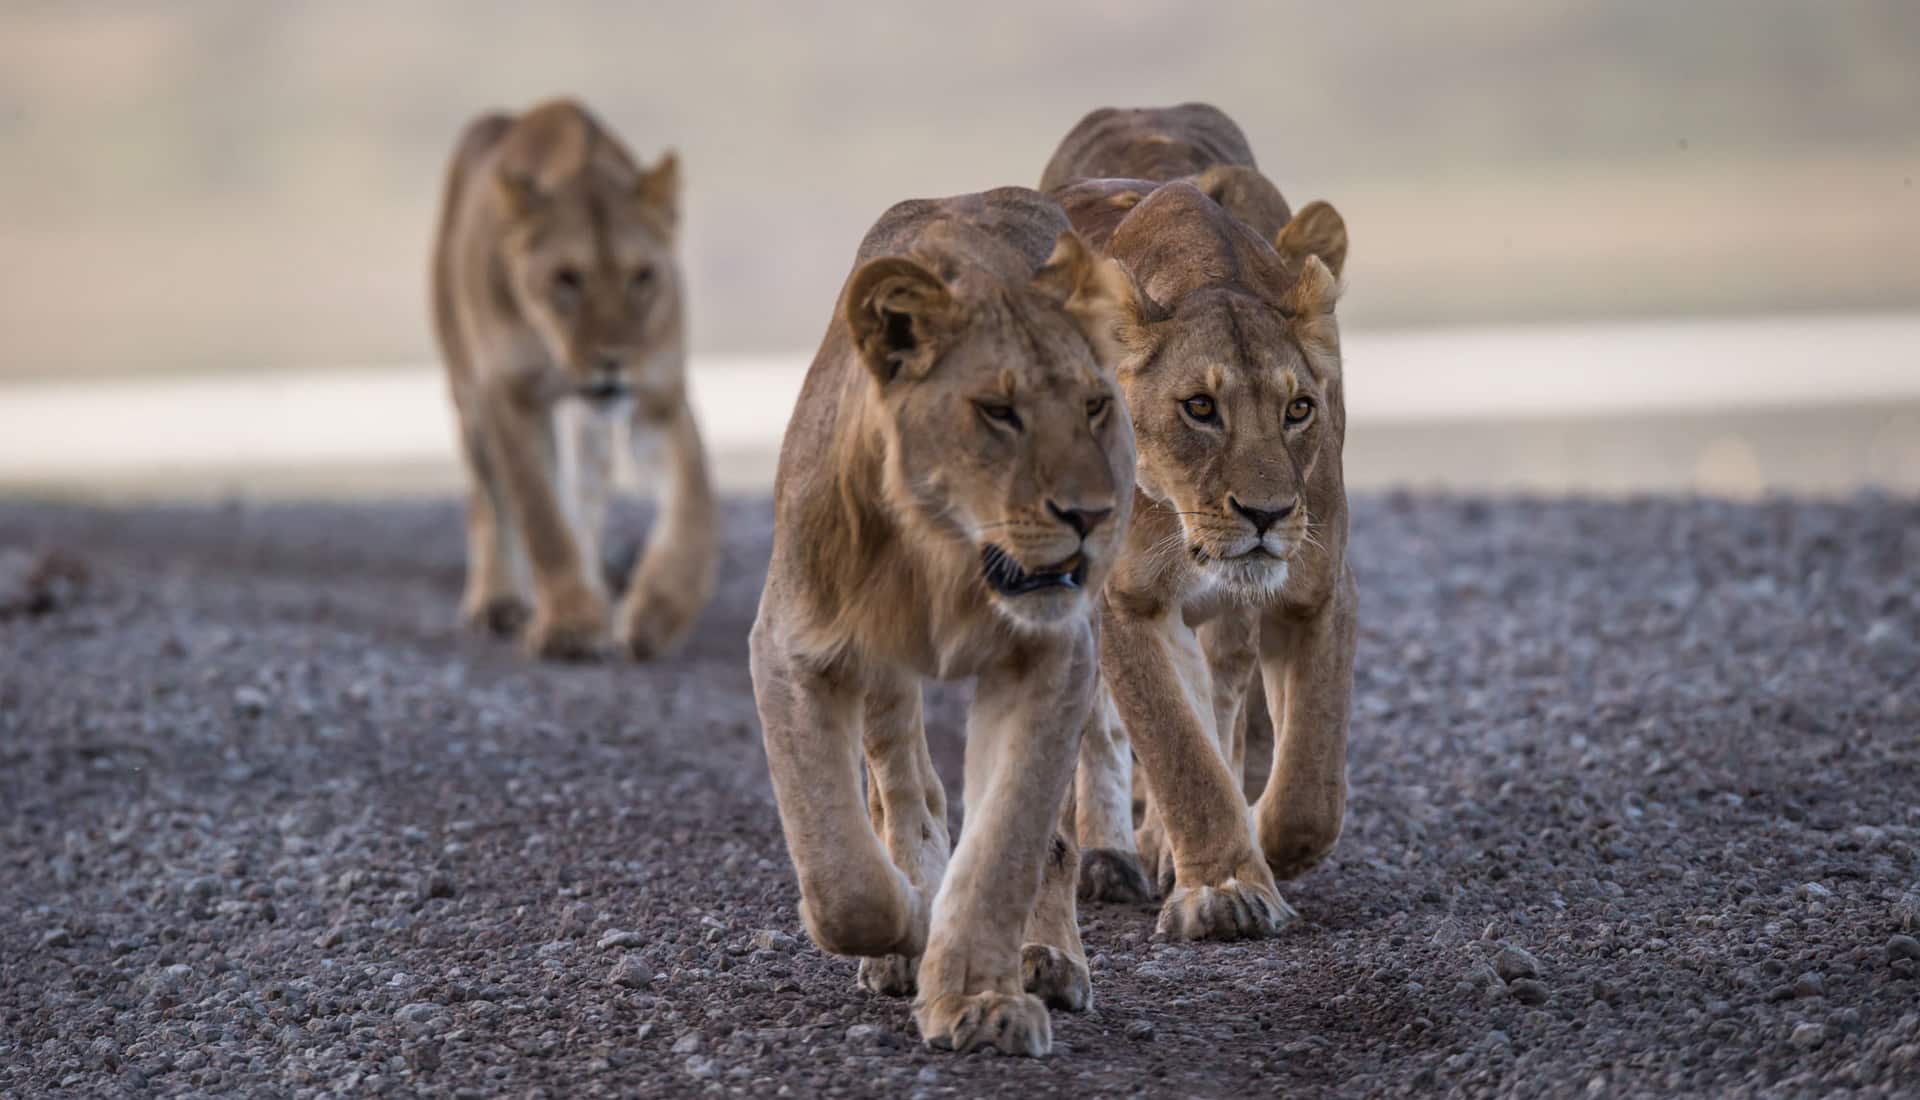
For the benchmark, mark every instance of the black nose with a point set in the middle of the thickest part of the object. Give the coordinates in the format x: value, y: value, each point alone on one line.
x: 1082, y: 520
x: 1260, y: 518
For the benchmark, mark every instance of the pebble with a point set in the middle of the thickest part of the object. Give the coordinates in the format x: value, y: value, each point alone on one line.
x: 688, y: 1043
x: 1809, y: 1035
x: 620, y: 937
x: 56, y: 937
x: 1514, y: 963
x: 1902, y: 947
x: 1140, y: 1031
x: 1528, y: 991
x: 1809, y: 985
x: 417, y: 1014
x: 869, y: 1035
x: 772, y: 939
x: 702, y: 1067
x: 631, y: 972
x: 251, y: 702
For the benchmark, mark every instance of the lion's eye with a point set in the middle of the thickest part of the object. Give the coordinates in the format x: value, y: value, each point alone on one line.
x: 1299, y: 410
x: 998, y: 413
x: 566, y: 283
x: 1200, y: 407
x: 641, y: 279
x: 1097, y: 407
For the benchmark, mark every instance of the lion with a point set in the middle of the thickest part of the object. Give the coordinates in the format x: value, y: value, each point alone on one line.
x: 1236, y: 557
x: 951, y: 492
x: 559, y: 308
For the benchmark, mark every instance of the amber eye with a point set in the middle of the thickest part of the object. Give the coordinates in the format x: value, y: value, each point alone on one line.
x: 1097, y: 407
x: 1299, y: 410
x: 998, y: 413
x: 566, y: 283
x: 641, y: 279
x: 1200, y: 407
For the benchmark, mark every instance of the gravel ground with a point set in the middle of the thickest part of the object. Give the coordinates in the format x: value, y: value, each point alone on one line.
x: 1636, y: 810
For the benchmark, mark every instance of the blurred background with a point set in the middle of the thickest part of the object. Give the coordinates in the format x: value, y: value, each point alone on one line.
x: 1596, y: 247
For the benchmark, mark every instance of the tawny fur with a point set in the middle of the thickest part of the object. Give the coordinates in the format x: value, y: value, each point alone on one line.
x: 557, y: 300
x: 1236, y: 557
x: 896, y: 473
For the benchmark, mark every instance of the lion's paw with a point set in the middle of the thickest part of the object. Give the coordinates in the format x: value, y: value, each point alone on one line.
x: 573, y: 627
x: 1014, y: 1023
x: 1234, y: 910
x: 1056, y: 977
x: 889, y: 975
x: 654, y: 623
x: 1112, y: 875
x: 500, y: 616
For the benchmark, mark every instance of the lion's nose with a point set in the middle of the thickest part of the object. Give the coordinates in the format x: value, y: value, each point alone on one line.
x: 1260, y: 518
x: 1082, y: 520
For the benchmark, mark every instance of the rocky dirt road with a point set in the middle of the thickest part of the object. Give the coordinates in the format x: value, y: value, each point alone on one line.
x: 1636, y: 811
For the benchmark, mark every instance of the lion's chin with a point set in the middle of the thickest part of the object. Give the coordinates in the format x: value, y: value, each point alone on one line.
x: 1051, y: 609
x: 1255, y: 573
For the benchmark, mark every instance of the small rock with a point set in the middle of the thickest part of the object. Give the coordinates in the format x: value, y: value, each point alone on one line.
x: 869, y: 1035
x: 417, y: 1014
x: 1813, y: 891
x: 1809, y: 985
x: 1809, y: 1035
x: 1513, y: 963
x: 619, y: 937
x: 249, y: 701
x: 1528, y: 991
x: 1140, y: 1031
x: 772, y: 939
x: 438, y: 885
x: 56, y: 937
x: 631, y: 973
x: 687, y: 1044
x: 702, y: 1067
x: 1902, y: 947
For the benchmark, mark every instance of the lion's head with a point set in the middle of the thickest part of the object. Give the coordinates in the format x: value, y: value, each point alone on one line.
x: 1005, y: 434
x: 1232, y: 377
x: 588, y: 255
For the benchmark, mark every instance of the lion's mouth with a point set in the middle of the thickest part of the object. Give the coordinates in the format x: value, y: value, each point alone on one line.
x: 605, y: 391
x: 1006, y: 577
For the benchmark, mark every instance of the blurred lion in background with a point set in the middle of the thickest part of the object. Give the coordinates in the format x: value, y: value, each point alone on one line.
x: 558, y: 304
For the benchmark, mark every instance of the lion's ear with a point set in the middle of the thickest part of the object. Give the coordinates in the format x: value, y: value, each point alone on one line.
x: 898, y: 313
x: 1246, y: 194
x: 1097, y: 292
x: 659, y: 186
x: 518, y: 192
x: 1317, y: 230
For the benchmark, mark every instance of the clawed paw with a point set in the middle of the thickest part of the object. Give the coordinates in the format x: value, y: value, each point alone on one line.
x: 1014, y: 1023
x: 889, y: 975
x: 653, y: 626
x: 1056, y: 977
x: 1234, y: 910
x: 1111, y: 875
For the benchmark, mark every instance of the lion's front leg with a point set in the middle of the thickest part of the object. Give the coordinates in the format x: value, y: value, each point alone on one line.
x: 570, y: 605
x: 673, y: 578
x: 493, y: 599
x: 1308, y: 668
x: 853, y: 899
x: 907, y: 804
x: 1023, y: 736
x: 1222, y: 888
x: 1103, y: 811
